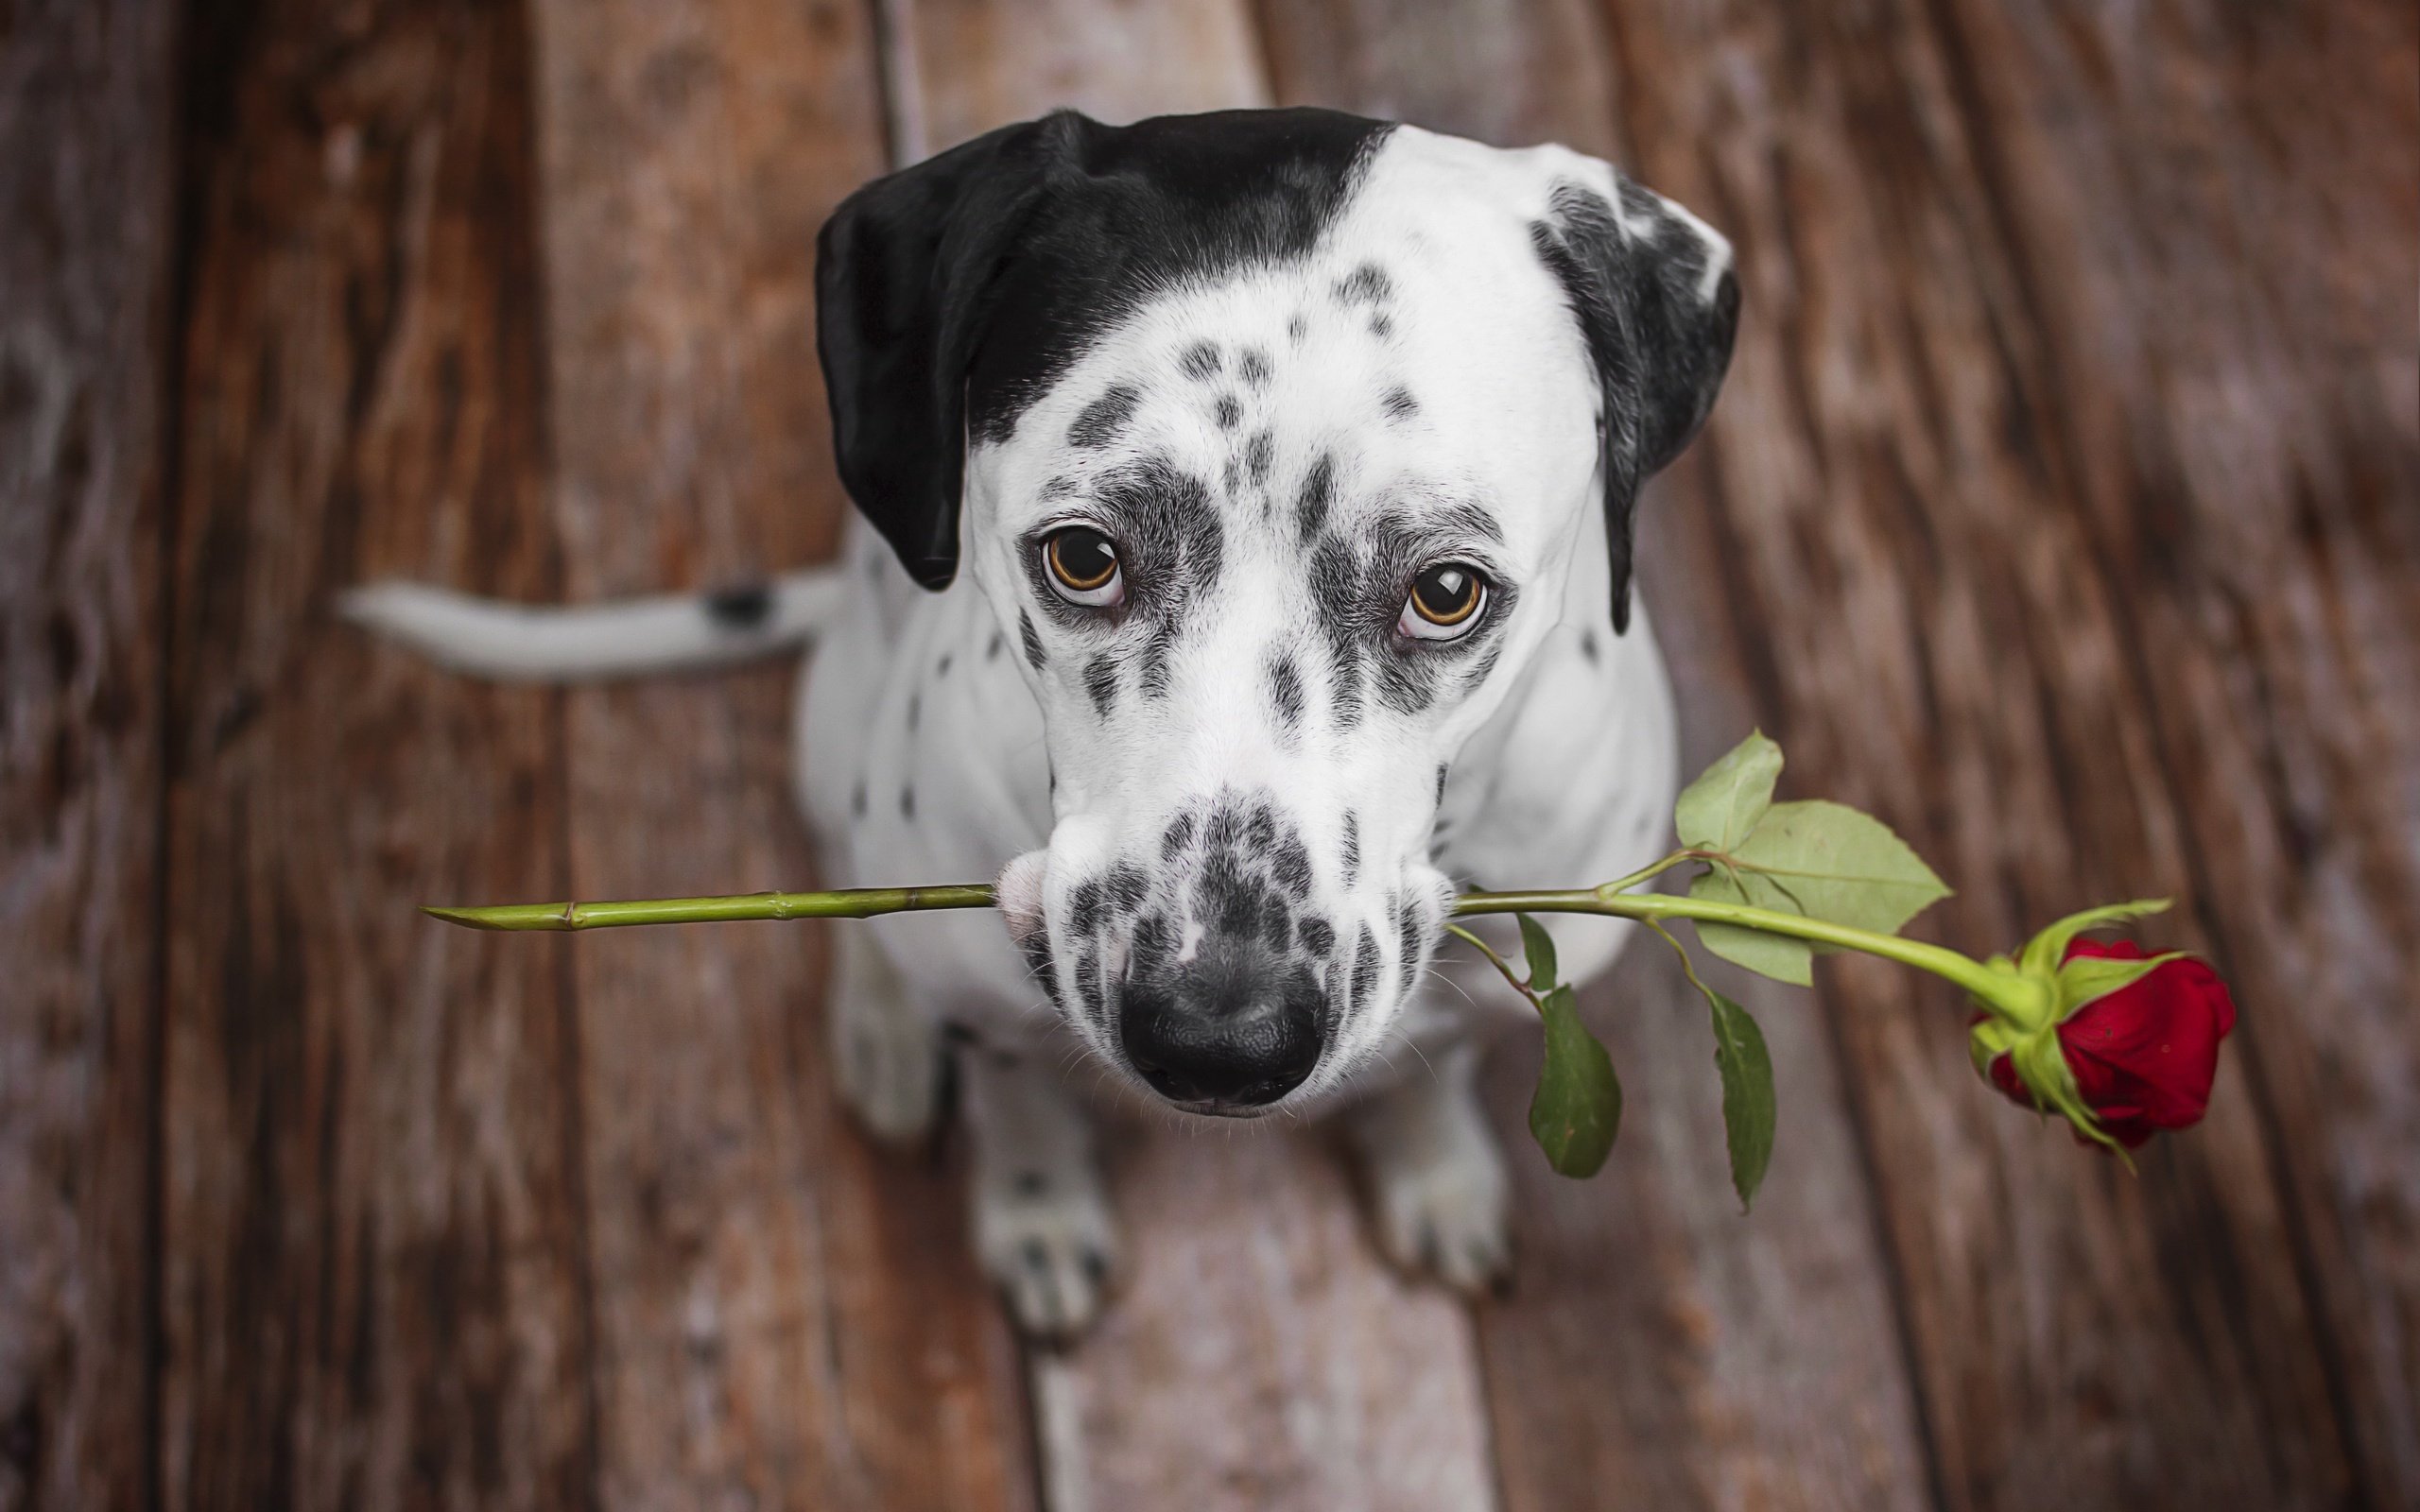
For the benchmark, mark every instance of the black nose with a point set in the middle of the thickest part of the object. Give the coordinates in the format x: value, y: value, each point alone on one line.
x: 1195, y: 1043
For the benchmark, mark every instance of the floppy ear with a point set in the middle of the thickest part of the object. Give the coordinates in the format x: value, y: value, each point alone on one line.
x: 1651, y: 285
x: 902, y: 272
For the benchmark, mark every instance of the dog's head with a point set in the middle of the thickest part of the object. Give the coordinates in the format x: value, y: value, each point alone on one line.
x: 1269, y: 437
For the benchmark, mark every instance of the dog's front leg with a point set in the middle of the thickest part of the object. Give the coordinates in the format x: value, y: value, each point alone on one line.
x: 1040, y: 1214
x: 1438, y: 1189
x: 885, y: 1052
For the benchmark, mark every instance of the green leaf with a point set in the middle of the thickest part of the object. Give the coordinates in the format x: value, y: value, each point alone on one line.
x: 1820, y: 860
x: 1719, y: 810
x: 1579, y: 1103
x: 2090, y: 978
x: 1748, y: 1105
x: 1539, y: 946
x: 2044, y: 950
x: 1778, y: 956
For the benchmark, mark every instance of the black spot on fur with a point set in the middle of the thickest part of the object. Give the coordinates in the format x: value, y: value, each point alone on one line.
x: 1261, y: 833
x: 1400, y: 404
x: 1231, y: 410
x: 940, y: 668
x: 1318, y: 936
x: 1366, y: 284
x: 744, y: 608
x: 992, y: 648
x: 1440, y: 783
x: 1201, y: 361
x: 1178, y: 836
x: 1297, y: 328
x: 1258, y: 454
x: 1293, y: 869
x: 1365, y: 968
x: 1152, y: 946
x: 1127, y: 887
x: 1100, y: 680
x: 1099, y: 423
x: 1382, y: 325
x: 1031, y: 1184
x: 1588, y: 645
x: 1286, y: 693
x: 1084, y: 906
x: 1409, y: 937
x: 1253, y: 368
x: 908, y: 802
x: 1155, y: 663
x: 1337, y: 592
x: 1352, y: 847
x: 1319, y: 491
x: 857, y: 798
x: 1031, y: 639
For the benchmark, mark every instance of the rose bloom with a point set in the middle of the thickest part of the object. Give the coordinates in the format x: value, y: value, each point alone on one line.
x: 2143, y: 1057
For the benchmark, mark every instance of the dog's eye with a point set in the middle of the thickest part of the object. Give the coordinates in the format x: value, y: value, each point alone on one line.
x: 1082, y: 565
x: 1444, y: 601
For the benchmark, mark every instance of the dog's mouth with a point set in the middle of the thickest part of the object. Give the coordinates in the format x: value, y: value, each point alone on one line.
x: 1226, y: 1110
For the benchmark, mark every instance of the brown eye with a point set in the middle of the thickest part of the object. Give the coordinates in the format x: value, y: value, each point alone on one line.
x: 1083, y: 567
x: 1444, y: 601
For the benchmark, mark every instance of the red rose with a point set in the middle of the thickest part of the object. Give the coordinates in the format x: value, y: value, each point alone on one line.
x: 2143, y: 1057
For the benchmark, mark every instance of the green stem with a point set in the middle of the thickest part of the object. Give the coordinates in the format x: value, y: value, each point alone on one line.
x: 1608, y: 900
x: 1967, y: 972
x: 1518, y: 984
x: 848, y: 903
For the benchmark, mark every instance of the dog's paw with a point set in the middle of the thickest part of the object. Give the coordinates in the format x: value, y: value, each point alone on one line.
x: 1447, y: 1216
x: 1047, y: 1239
x: 1440, y: 1198
x: 886, y: 1056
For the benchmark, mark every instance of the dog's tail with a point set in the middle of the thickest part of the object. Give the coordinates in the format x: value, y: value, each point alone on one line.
x: 521, y: 642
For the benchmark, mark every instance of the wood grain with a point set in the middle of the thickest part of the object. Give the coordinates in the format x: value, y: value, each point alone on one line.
x: 1933, y: 633
x: 1659, y: 1349
x: 964, y: 66
x: 1263, y: 1357
x: 2227, y: 312
x: 784, y: 1318
x: 374, y: 1269
x: 86, y: 182
x: 1258, y: 1356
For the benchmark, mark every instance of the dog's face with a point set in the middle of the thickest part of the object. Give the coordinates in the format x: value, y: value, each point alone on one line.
x: 1278, y: 430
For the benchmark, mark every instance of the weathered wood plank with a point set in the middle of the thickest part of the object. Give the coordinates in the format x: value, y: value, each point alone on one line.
x: 2228, y: 312
x: 1508, y: 71
x: 966, y: 66
x: 86, y: 180
x: 375, y: 1260
x: 1659, y: 1350
x: 1933, y: 634
x: 784, y: 1317
x: 1260, y: 1355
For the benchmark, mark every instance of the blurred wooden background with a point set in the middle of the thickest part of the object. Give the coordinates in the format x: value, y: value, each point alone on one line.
x: 2063, y: 507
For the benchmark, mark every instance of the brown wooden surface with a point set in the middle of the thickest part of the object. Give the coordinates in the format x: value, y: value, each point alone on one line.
x: 2063, y: 507
x: 375, y: 1281
x: 86, y: 209
x: 783, y: 1318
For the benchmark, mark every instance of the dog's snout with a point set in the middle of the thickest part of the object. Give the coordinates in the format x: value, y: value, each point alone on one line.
x: 1205, y: 1039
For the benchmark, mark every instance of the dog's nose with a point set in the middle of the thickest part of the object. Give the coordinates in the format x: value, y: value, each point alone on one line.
x: 1241, y: 1054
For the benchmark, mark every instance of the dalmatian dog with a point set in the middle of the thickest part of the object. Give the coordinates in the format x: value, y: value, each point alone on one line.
x: 1244, y: 566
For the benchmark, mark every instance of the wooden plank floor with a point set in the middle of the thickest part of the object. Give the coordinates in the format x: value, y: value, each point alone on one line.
x: 2063, y: 507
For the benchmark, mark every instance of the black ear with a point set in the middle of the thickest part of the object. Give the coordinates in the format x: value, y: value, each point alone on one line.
x: 902, y: 273
x: 1651, y: 288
